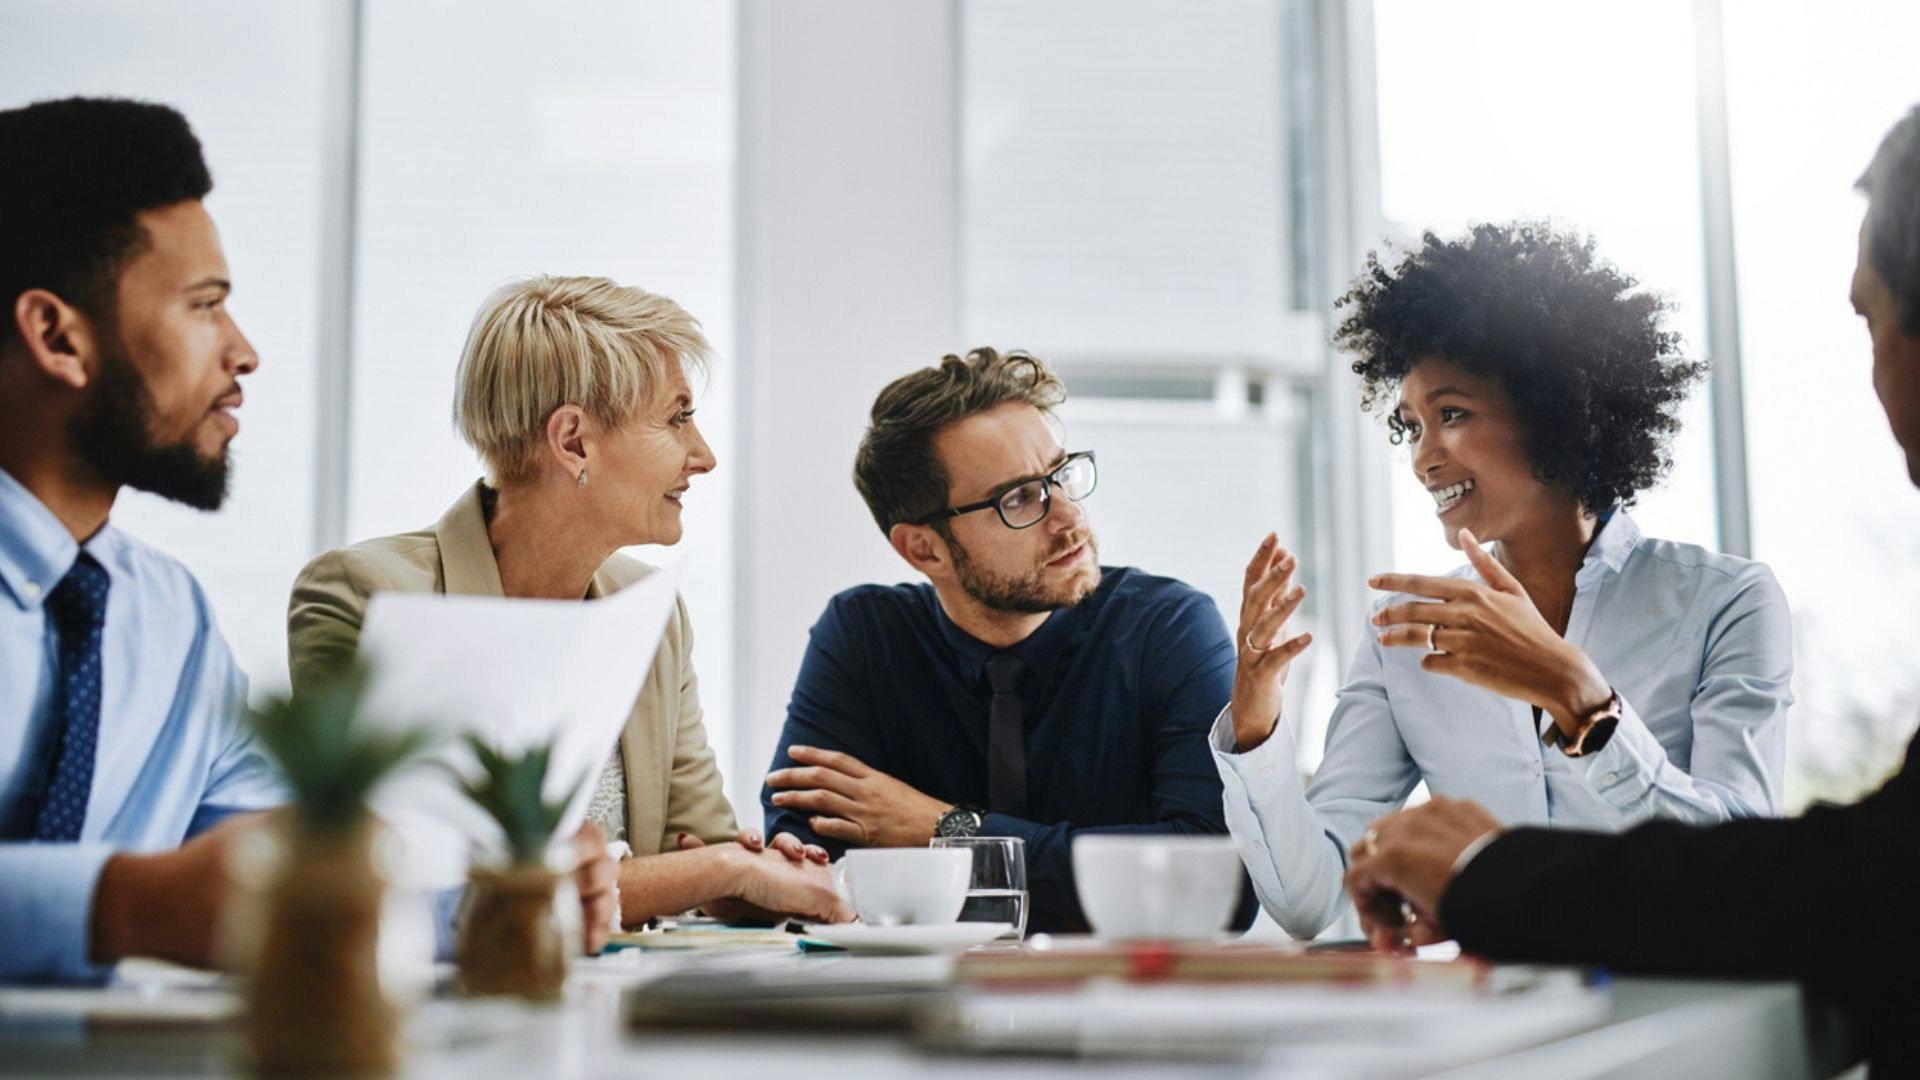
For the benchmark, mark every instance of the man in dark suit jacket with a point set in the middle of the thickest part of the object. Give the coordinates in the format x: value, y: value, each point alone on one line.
x: 1746, y: 898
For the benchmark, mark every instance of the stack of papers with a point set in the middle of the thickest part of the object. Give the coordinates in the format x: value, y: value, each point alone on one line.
x: 1058, y: 961
x: 517, y: 674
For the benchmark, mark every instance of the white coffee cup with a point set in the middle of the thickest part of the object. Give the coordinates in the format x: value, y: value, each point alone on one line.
x: 905, y: 886
x: 1157, y: 886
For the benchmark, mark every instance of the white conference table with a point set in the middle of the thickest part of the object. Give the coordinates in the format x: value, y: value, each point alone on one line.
x: 1635, y: 1027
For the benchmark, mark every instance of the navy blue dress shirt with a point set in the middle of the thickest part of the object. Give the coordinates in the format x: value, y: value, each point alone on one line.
x: 1118, y: 696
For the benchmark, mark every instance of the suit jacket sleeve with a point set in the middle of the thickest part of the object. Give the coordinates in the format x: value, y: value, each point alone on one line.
x: 1747, y: 898
x: 696, y: 801
x: 324, y: 614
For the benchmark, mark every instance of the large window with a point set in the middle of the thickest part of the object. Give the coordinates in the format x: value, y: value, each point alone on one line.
x: 266, y: 161
x: 1578, y: 112
x: 1811, y: 89
x: 1585, y: 112
x: 1125, y: 214
x: 494, y: 142
x: 591, y: 139
x: 1154, y: 196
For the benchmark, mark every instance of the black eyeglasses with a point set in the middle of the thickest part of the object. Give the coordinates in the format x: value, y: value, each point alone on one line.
x: 1027, y: 502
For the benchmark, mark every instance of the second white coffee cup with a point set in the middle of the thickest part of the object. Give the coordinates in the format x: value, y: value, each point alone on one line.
x: 1157, y: 886
x: 904, y: 886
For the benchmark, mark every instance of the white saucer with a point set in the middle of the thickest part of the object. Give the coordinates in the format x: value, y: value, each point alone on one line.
x: 906, y: 940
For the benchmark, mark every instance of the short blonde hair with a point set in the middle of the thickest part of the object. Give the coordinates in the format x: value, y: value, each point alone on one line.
x: 550, y: 341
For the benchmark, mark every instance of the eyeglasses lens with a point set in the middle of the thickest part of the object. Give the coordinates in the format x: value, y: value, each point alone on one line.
x: 1024, y: 505
x: 1077, y: 479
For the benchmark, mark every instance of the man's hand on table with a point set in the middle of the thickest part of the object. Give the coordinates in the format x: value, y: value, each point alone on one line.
x: 167, y: 905
x: 1402, y: 865
x: 852, y: 802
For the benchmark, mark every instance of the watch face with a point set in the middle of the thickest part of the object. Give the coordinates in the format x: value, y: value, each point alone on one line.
x: 960, y: 821
x: 1598, y: 735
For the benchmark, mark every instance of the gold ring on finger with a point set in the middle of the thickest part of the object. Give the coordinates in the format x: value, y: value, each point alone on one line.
x: 1257, y: 649
x: 1431, y: 628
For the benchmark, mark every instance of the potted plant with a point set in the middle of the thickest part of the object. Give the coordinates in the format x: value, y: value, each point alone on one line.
x: 315, y: 1002
x: 518, y: 919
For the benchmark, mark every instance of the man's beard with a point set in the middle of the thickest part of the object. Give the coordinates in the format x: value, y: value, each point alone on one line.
x: 1028, y: 594
x: 114, y: 434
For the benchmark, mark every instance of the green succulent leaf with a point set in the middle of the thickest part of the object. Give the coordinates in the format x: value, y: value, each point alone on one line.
x: 330, y: 761
x: 508, y: 789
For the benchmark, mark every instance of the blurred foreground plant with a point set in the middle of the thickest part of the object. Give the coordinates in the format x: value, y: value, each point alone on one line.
x: 514, y: 927
x: 315, y: 1002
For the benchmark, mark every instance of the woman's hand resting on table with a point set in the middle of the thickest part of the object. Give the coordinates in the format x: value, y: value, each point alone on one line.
x: 769, y: 885
x: 785, y: 843
x: 762, y: 889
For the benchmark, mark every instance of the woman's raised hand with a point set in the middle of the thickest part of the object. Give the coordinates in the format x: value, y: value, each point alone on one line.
x: 1491, y: 635
x: 1267, y: 600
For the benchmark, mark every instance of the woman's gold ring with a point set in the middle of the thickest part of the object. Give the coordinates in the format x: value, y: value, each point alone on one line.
x: 1255, y: 649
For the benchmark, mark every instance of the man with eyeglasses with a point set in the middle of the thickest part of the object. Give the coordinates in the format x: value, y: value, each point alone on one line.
x: 1023, y: 690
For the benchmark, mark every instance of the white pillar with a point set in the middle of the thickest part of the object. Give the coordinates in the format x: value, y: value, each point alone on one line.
x: 846, y: 274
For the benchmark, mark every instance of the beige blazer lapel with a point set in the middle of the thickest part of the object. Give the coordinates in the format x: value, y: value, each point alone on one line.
x: 646, y: 744
x: 467, y: 566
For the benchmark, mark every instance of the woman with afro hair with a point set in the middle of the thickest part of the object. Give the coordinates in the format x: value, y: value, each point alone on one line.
x: 1577, y: 674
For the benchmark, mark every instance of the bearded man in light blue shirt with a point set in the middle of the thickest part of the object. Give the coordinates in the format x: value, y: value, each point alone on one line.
x: 120, y: 704
x: 122, y: 748
x: 1579, y: 674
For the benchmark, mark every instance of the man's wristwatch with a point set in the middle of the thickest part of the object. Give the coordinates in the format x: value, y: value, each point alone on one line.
x: 1595, y: 730
x: 960, y: 821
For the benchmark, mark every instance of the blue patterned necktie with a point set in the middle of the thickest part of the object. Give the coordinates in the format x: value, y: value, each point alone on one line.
x: 78, y: 608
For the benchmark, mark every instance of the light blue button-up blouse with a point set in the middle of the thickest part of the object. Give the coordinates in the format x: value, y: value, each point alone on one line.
x: 1697, y: 644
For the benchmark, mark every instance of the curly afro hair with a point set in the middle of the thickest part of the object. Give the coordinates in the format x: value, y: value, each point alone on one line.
x: 1593, y: 375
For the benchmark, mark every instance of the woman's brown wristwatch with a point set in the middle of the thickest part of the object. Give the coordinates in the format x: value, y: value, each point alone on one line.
x: 1595, y: 730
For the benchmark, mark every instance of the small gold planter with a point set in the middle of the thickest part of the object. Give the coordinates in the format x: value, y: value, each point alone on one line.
x: 315, y: 1004
x: 514, y: 937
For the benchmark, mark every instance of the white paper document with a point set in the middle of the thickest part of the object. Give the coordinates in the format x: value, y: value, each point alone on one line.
x: 516, y: 674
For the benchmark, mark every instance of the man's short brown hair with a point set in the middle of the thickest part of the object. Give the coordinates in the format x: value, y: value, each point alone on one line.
x: 897, y: 469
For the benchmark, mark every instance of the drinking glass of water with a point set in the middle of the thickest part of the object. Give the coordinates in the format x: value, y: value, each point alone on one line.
x: 997, y: 892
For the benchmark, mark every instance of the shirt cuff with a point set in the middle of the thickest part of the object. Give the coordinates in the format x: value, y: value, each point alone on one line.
x: 1225, y: 746
x: 1467, y: 853
x: 46, y: 902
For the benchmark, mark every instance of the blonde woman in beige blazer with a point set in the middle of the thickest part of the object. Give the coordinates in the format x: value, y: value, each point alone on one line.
x: 574, y: 392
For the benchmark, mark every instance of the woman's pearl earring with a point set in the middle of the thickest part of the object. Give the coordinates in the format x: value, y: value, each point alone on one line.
x: 583, y: 478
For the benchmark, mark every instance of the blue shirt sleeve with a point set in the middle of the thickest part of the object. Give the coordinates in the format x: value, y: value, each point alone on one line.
x: 46, y: 909
x: 241, y: 777
x: 829, y: 711
x: 1186, y: 678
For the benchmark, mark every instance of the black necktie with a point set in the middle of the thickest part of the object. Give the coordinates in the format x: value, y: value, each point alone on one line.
x: 1006, y: 738
x: 78, y: 607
